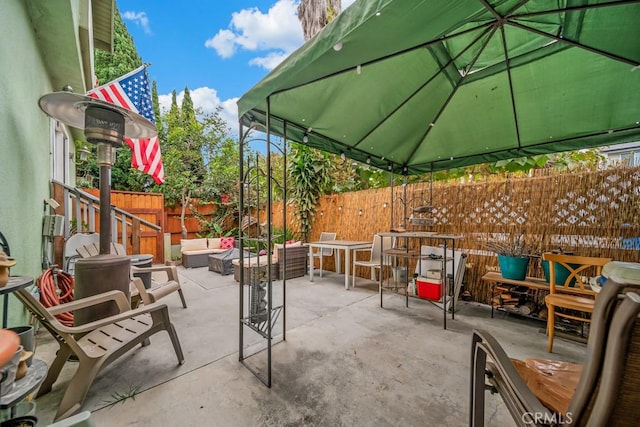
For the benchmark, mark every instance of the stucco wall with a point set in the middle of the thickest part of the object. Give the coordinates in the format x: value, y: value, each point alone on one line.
x: 24, y: 144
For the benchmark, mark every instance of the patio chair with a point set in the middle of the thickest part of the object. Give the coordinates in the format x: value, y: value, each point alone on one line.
x: 71, y: 246
x: 321, y: 253
x: 157, y: 290
x: 380, y: 244
x: 568, y: 296
x: 102, y: 341
x: 551, y: 394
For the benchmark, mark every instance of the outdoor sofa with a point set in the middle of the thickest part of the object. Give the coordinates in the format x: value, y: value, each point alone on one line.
x: 195, y: 252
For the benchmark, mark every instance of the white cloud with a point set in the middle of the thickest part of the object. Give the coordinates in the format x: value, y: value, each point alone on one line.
x: 138, y: 18
x: 223, y: 43
x: 206, y: 99
x: 276, y: 33
x: 270, y: 61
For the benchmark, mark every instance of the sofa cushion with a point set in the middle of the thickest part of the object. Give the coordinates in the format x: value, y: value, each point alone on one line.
x: 213, y: 242
x: 192, y: 244
x: 254, y: 261
x: 198, y: 251
x: 227, y: 242
x: 217, y: 251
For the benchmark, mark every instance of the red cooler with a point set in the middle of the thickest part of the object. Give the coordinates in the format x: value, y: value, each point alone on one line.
x: 430, y: 289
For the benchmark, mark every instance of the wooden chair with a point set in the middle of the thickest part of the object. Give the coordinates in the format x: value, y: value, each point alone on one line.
x: 566, y: 295
x: 102, y: 341
x: 380, y: 244
x: 529, y: 401
x: 323, y: 252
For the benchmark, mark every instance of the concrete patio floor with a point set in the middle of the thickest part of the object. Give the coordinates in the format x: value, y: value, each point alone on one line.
x: 345, y: 362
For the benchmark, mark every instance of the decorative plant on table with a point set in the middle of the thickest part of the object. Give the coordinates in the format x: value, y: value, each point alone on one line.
x: 514, y: 254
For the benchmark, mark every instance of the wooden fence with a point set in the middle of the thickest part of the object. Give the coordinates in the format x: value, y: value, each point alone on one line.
x: 149, y: 207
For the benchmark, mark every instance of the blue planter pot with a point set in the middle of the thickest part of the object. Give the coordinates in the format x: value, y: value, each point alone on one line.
x: 561, y: 273
x: 514, y: 268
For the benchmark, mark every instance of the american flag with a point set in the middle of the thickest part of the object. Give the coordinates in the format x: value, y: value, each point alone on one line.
x: 132, y: 91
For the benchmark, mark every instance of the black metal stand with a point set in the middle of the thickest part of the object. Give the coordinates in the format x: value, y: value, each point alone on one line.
x: 257, y: 312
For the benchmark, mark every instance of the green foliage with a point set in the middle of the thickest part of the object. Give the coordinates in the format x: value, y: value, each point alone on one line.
x: 310, y: 177
x: 108, y: 67
x: 125, y: 58
x: 117, y: 396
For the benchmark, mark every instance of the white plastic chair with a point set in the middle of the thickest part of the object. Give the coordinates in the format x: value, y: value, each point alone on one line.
x: 380, y: 244
x: 71, y: 246
x: 321, y: 253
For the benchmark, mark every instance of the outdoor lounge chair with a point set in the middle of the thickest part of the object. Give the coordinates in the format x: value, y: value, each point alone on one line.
x: 102, y: 341
x: 157, y: 290
x: 601, y: 392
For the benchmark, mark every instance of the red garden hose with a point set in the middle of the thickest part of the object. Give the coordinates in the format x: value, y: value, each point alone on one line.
x: 49, y: 296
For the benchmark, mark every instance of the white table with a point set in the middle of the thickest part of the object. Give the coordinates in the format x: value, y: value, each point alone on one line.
x: 337, y: 245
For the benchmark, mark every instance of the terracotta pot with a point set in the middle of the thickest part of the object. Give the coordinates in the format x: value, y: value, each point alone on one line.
x: 4, y: 276
x: 22, y: 366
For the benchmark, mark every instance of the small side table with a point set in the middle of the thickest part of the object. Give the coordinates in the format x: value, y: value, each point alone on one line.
x: 15, y: 284
x: 25, y: 385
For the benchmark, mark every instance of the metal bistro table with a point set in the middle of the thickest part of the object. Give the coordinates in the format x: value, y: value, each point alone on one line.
x: 338, y: 245
x: 408, y: 254
x: 15, y: 284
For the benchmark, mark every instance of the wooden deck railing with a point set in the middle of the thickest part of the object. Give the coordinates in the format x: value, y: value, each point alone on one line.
x: 81, y: 214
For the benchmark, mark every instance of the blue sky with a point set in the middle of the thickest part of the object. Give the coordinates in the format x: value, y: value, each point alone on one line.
x: 219, y: 49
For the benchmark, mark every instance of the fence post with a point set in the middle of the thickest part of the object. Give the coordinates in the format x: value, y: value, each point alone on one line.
x: 135, y: 236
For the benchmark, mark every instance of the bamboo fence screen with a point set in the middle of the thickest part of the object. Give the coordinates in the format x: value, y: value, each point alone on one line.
x: 588, y: 213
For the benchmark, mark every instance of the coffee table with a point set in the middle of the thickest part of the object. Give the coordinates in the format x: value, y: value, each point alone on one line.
x: 222, y: 262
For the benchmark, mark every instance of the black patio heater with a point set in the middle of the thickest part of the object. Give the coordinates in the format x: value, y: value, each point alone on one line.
x: 105, y: 125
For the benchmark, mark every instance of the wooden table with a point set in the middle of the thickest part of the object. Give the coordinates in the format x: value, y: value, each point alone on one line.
x: 344, y: 245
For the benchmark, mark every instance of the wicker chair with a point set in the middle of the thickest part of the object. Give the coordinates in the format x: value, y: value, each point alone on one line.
x: 295, y: 263
x: 528, y: 401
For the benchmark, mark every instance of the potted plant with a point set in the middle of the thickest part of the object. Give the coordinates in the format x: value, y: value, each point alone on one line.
x: 513, y: 256
x: 561, y: 272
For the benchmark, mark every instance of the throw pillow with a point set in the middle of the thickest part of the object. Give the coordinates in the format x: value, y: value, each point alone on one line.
x: 227, y: 242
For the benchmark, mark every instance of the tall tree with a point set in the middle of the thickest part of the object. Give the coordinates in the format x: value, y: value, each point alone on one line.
x: 188, y: 112
x: 194, y: 142
x: 125, y: 58
x: 156, y: 107
x: 108, y: 67
x: 315, y: 14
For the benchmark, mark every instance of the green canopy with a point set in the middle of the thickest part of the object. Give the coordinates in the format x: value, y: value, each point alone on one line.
x: 415, y: 85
